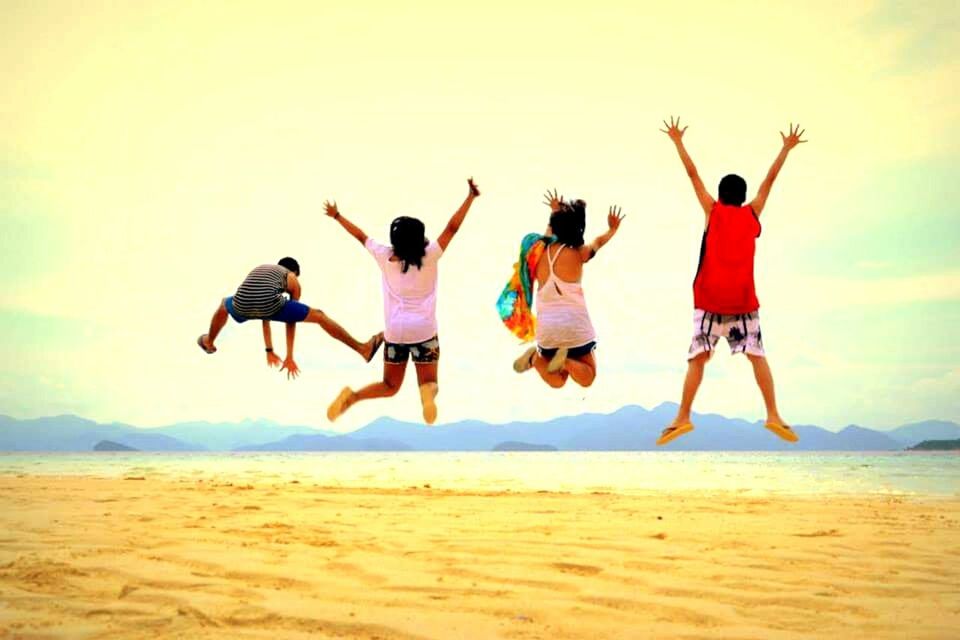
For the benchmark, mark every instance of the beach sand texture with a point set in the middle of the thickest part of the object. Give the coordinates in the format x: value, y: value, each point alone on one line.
x: 155, y: 558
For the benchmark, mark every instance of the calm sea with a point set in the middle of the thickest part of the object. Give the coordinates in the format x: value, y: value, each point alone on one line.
x: 933, y: 474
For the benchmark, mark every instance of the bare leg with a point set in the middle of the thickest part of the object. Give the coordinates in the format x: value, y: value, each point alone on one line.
x: 583, y: 370
x: 217, y: 322
x: 691, y: 383
x: 555, y: 380
x: 761, y: 371
x: 427, y: 379
x: 339, y: 333
x: 393, y: 375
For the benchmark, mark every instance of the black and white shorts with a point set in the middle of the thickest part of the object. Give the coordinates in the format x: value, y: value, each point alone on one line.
x: 742, y: 332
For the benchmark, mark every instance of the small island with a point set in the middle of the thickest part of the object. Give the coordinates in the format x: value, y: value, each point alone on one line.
x: 110, y: 445
x: 523, y: 446
x: 936, y: 445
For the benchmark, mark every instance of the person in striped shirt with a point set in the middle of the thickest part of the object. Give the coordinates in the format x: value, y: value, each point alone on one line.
x: 271, y: 292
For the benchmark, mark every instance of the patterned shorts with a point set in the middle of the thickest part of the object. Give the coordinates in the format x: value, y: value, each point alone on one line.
x: 422, y: 352
x: 741, y: 331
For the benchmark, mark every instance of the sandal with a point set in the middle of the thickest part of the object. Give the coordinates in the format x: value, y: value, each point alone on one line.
x: 202, y: 346
x: 377, y: 343
x: 558, y: 360
x: 525, y: 361
x: 783, y: 431
x: 338, y: 406
x: 673, y: 432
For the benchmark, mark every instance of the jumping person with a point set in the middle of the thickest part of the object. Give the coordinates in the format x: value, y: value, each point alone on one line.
x: 261, y: 297
x: 409, y: 280
x: 725, y: 300
x: 564, y: 333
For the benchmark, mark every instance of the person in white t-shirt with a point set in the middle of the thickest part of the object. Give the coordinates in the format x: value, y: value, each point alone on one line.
x: 409, y: 279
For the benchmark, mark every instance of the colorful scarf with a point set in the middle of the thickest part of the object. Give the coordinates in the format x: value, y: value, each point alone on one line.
x: 515, y: 303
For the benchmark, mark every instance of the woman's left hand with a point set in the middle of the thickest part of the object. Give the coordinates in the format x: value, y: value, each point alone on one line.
x: 614, y: 218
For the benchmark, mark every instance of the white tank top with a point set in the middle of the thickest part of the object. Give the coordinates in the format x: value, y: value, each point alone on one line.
x: 562, y: 317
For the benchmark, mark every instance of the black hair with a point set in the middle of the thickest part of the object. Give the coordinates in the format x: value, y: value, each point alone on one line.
x: 569, y: 222
x: 733, y: 190
x: 408, y: 240
x: 291, y: 264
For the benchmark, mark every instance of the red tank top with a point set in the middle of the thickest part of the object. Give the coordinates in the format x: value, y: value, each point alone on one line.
x: 724, y: 281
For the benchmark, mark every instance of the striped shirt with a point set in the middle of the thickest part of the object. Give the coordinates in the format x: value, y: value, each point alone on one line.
x: 261, y: 294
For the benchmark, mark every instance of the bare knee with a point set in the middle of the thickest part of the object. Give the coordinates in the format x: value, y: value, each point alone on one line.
x: 555, y: 381
x: 392, y: 388
x: 700, y: 360
x: 586, y: 382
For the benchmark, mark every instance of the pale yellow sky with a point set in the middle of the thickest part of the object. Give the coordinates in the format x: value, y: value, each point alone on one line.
x: 154, y: 154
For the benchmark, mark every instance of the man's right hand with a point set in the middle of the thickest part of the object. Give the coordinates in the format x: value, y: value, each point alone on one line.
x: 291, y: 368
x: 273, y: 360
x: 673, y: 129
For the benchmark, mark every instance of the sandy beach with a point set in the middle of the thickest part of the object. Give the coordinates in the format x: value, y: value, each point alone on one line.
x: 140, y: 557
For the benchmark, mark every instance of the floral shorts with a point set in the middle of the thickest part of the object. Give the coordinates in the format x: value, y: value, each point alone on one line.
x: 421, y: 353
x: 742, y: 332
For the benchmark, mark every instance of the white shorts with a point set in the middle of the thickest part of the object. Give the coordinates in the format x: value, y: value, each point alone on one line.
x: 741, y: 331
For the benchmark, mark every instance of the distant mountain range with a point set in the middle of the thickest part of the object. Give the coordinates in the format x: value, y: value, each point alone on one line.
x: 631, y: 428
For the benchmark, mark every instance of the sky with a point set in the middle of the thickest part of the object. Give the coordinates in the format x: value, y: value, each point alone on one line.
x: 151, y: 154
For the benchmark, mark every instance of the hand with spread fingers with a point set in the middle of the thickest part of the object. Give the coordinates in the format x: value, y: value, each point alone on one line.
x: 614, y: 218
x: 291, y: 368
x: 793, y: 138
x: 330, y: 208
x: 552, y: 200
x: 673, y: 129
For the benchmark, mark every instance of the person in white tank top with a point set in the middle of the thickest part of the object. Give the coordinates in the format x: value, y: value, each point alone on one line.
x: 565, y: 336
x: 409, y: 280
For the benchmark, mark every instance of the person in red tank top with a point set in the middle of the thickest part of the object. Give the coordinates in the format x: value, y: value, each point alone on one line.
x: 724, y: 295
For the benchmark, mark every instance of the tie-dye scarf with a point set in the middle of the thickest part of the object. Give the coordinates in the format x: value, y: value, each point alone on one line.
x: 515, y: 303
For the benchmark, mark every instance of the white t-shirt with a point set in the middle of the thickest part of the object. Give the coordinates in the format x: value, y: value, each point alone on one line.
x: 409, y: 299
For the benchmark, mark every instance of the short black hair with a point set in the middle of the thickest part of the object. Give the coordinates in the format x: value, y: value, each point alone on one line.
x: 290, y: 264
x: 733, y: 190
x: 569, y: 222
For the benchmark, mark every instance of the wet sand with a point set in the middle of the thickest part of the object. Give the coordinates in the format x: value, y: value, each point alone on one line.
x: 155, y: 558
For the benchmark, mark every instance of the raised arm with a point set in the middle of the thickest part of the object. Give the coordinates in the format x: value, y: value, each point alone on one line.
x: 454, y: 225
x: 614, y: 218
x: 789, y: 142
x: 331, y: 210
x: 676, y: 134
x: 553, y: 200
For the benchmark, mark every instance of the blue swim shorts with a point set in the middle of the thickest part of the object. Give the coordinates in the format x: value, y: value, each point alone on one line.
x: 291, y: 311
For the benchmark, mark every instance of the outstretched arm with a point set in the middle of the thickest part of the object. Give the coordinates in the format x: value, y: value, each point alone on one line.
x: 789, y: 142
x: 331, y: 210
x: 614, y: 218
x: 454, y: 225
x: 676, y: 134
